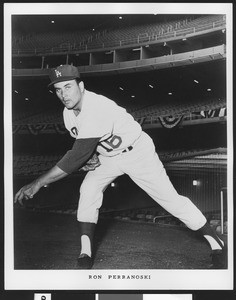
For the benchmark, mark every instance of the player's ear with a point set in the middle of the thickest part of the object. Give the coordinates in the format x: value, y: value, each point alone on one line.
x: 81, y: 86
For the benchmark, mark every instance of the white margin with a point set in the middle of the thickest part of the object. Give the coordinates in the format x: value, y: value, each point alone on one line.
x: 73, y: 279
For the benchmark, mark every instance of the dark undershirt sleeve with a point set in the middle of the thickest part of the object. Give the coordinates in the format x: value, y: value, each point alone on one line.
x: 80, y: 153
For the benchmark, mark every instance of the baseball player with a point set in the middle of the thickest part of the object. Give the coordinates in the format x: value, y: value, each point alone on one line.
x: 100, y: 126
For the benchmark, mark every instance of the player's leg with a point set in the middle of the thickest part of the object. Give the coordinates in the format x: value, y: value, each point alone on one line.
x: 156, y: 183
x: 149, y: 173
x: 163, y: 192
x: 144, y: 167
x: 219, y: 249
x: 91, y: 197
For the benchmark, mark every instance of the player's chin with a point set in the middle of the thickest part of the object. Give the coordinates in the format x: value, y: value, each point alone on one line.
x: 69, y: 105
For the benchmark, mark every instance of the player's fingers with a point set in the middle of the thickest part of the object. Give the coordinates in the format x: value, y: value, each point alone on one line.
x: 17, y: 196
x: 20, y: 201
x: 26, y: 192
x: 23, y: 198
x: 21, y: 195
x: 20, y: 198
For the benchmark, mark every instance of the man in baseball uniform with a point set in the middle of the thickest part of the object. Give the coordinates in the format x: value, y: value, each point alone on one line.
x: 99, y: 125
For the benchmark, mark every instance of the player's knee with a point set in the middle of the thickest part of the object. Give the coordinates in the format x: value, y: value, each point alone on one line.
x: 88, y: 216
x: 88, y: 187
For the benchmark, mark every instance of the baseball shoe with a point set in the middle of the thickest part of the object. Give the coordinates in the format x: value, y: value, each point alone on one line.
x: 84, y: 261
x: 219, y: 259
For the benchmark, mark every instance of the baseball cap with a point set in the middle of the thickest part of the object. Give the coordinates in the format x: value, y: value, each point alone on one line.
x: 63, y: 73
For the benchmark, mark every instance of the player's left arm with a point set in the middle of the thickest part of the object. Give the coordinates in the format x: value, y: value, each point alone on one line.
x: 75, y: 158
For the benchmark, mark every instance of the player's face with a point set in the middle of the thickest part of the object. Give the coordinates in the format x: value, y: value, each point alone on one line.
x: 70, y: 93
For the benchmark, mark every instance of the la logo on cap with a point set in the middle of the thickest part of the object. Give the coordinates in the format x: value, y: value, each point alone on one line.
x: 58, y: 73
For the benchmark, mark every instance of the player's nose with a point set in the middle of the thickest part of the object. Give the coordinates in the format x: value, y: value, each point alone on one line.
x: 63, y: 94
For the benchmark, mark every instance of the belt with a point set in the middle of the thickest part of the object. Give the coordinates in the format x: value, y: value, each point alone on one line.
x: 128, y: 149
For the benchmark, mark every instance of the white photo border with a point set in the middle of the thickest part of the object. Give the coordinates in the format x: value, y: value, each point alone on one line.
x: 77, y: 279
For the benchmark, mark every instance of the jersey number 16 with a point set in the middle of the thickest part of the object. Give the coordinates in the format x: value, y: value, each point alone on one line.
x: 111, y: 143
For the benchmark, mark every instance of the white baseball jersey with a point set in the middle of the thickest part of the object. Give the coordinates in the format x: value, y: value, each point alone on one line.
x: 103, y: 118
x: 108, y: 127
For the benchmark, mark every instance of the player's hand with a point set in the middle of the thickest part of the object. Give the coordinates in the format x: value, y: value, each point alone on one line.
x: 27, y: 192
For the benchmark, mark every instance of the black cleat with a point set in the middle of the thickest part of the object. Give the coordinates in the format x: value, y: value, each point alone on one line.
x: 84, y: 262
x: 219, y: 259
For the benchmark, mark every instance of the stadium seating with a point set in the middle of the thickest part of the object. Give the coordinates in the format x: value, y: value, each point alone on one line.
x: 29, y: 165
x: 47, y: 117
x: 33, y: 165
x: 137, y: 110
x: 80, y: 40
x: 179, y: 108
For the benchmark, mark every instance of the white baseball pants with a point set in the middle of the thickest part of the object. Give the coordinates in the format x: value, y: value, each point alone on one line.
x: 144, y: 167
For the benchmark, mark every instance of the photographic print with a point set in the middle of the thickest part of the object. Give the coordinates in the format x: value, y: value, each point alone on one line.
x: 118, y: 146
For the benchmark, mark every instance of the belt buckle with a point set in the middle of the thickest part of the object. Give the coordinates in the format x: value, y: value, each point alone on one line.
x: 127, y: 149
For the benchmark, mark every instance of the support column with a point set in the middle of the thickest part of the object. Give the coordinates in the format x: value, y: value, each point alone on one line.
x: 42, y: 64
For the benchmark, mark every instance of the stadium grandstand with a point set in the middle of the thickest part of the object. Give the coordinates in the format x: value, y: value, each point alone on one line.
x: 168, y: 71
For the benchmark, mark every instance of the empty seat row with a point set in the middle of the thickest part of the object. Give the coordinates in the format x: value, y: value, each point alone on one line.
x: 115, y: 37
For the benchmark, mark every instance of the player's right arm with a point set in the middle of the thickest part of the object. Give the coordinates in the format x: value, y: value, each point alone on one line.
x: 29, y: 190
x: 71, y: 161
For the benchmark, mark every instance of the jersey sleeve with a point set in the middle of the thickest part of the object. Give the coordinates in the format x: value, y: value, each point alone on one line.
x: 80, y: 153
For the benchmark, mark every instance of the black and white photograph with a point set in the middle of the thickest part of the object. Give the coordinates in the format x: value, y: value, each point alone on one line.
x: 118, y: 146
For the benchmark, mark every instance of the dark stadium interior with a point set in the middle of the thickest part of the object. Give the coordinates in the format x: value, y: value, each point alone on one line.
x: 24, y: 24
x: 162, y: 80
x: 179, y: 81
